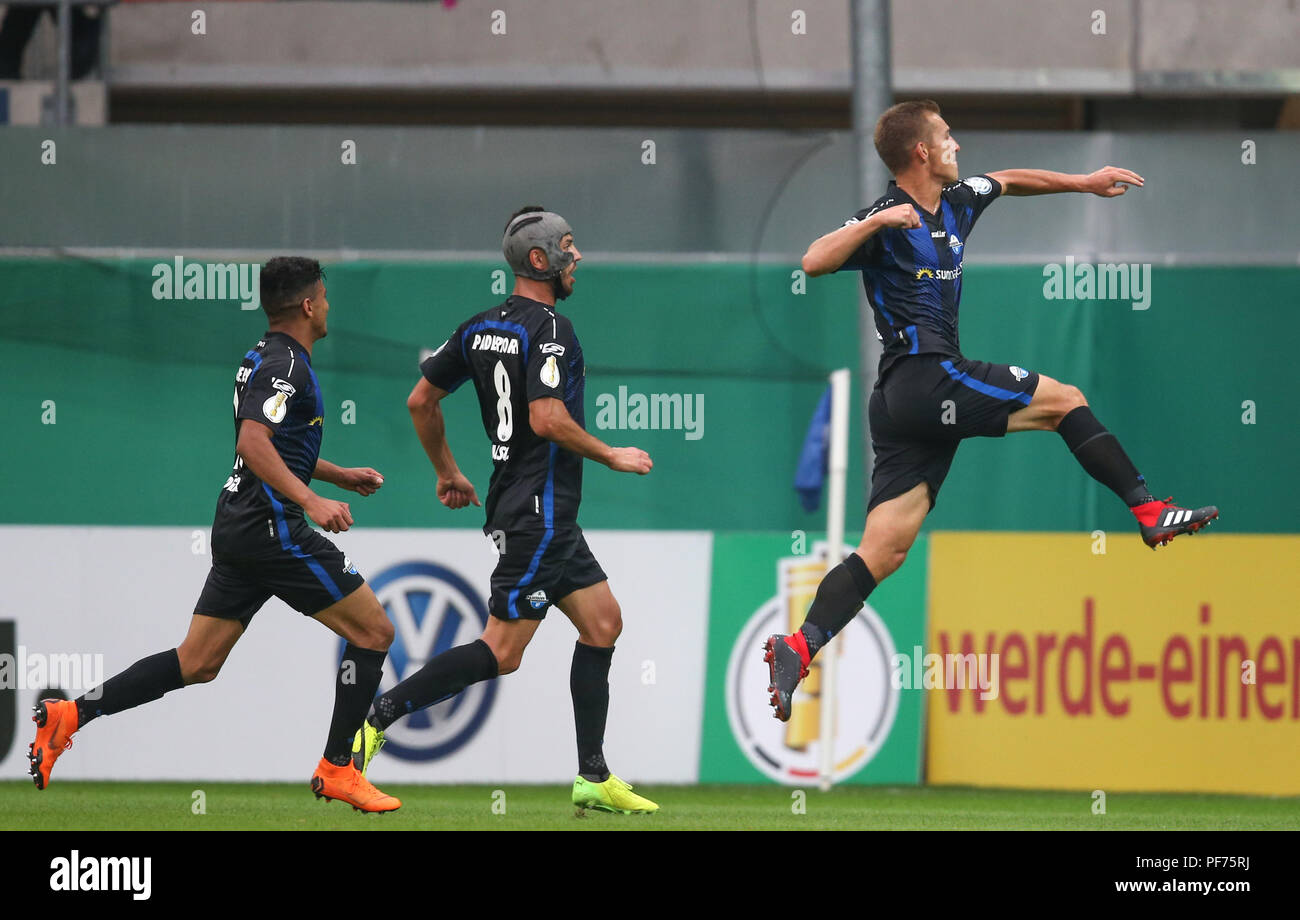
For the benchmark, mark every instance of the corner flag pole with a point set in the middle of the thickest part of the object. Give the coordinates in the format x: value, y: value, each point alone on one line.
x: 837, y: 476
x: 873, y: 92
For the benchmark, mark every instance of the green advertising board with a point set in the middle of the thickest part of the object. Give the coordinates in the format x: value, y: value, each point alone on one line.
x: 760, y: 582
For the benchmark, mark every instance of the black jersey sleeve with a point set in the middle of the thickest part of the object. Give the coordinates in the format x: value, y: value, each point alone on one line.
x: 281, y: 378
x: 446, y: 367
x: 971, y: 196
x: 868, y: 254
x: 547, y: 371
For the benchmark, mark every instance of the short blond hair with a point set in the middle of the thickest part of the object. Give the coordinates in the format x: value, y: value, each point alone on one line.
x: 899, y: 130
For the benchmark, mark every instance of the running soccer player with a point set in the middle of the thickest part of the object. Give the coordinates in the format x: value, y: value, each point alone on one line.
x: 527, y: 368
x: 908, y: 246
x: 262, y: 545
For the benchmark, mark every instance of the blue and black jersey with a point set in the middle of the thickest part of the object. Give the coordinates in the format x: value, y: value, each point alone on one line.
x: 913, y: 277
x: 514, y: 353
x: 275, y: 385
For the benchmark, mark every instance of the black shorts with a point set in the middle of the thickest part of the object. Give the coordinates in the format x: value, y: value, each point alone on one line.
x: 538, y: 568
x: 926, y: 405
x: 309, y: 573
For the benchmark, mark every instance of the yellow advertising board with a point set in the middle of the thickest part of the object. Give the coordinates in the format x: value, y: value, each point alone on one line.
x: 1114, y: 667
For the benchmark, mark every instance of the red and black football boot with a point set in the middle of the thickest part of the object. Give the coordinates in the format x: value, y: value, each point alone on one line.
x: 787, y: 662
x: 1161, y: 521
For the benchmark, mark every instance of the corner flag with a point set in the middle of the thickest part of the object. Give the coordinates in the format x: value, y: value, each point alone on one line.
x: 810, y: 474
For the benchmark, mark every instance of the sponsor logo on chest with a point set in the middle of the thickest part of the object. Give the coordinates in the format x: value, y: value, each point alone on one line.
x: 942, y: 274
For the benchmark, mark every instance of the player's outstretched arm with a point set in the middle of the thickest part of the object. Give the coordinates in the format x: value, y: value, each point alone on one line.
x: 1108, y: 182
x: 260, y: 456
x: 360, y: 479
x: 828, y: 252
x: 454, y: 490
x: 549, y: 419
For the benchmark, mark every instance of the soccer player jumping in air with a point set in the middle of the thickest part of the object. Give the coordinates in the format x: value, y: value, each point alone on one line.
x: 908, y: 246
x: 527, y: 369
x: 262, y: 545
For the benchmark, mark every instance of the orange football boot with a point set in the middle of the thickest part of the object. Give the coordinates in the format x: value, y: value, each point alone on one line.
x: 346, y: 784
x: 56, y: 723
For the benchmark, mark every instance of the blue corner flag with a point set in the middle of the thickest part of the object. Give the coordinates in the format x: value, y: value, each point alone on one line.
x: 813, y: 459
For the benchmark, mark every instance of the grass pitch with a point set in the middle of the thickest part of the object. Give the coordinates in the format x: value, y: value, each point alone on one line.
x: 279, y: 806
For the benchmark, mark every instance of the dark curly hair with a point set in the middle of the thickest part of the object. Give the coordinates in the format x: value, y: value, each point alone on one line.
x: 285, y: 282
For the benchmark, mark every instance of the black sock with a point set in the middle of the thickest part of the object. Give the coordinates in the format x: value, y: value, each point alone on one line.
x: 440, y: 679
x: 589, y: 686
x: 145, y: 681
x: 839, y: 598
x: 1099, y: 453
x: 354, y: 688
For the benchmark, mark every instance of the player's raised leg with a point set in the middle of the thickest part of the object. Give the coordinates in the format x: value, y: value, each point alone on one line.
x: 891, y: 530
x: 196, y: 660
x: 599, y: 621
x: 360, y: 620
x: 1062, y: 408
x: 499, y: 651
